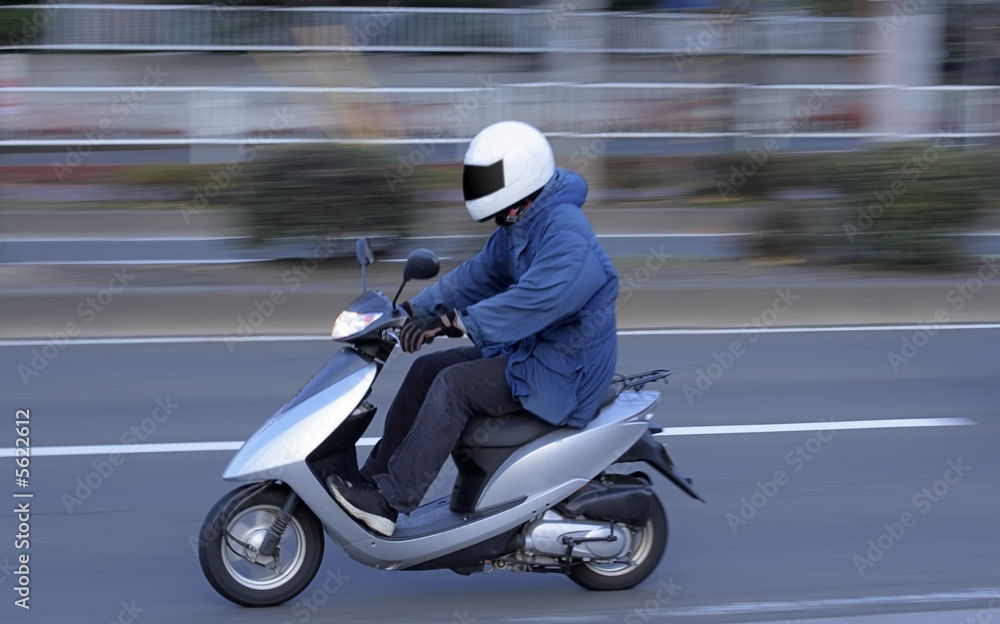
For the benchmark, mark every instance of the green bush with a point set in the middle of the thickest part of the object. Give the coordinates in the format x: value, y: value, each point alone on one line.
x: 896, y: 206
x: 322, y: 191
x: 21, y: 26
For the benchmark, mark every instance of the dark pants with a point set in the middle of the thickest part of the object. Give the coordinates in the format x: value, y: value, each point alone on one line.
x: 440, y: 393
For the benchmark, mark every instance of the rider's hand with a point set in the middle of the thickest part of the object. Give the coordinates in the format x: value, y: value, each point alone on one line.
x: 450, y: 325
x: 411, y: 336
x: 408, y: 308
x: 417, y: 333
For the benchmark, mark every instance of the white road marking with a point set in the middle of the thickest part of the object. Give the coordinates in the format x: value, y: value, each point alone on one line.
x: 35, y: 342
x: 799, y: 330
x: 889, y: 423
x: 904, y: 602
x: 192, y: 447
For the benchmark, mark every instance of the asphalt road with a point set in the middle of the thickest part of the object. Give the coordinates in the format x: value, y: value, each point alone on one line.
x: 122, y: 551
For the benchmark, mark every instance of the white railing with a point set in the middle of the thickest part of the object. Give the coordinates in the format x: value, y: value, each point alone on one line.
x: 345, y: 29
x: 162, y: 115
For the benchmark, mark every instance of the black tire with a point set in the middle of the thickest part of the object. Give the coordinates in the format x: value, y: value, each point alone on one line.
x: 246, y: 513
x: 648, y: 545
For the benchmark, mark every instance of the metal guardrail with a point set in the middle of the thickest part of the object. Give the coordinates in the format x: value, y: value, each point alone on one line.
x: 143, y: 28
x: 174, y: 115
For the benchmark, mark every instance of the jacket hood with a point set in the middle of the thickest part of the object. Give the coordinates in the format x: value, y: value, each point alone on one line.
x: 565, y: 187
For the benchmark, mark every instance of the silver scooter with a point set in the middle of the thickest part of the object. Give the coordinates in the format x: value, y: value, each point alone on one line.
x: 527, y: 497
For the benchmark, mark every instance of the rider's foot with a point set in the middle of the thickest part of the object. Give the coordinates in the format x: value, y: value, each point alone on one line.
x: 364, y: 502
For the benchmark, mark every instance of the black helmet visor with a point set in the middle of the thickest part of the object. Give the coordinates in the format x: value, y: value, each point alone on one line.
x: 480, y: 181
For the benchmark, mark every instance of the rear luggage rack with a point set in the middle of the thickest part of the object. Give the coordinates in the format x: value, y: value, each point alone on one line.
x: 639, y: 380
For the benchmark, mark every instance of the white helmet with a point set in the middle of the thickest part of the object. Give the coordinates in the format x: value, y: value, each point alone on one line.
x: 505, y: 163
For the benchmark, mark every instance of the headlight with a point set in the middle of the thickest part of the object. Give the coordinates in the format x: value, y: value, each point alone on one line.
x: 350, y: 323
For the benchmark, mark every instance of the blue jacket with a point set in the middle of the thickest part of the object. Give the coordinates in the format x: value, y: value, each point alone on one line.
x: 543, y: 291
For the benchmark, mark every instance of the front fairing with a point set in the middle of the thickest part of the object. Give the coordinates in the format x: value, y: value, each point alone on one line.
x: 288, y: 437
x: 325, y: 401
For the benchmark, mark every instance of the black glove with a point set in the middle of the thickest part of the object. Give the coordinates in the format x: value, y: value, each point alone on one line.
x: 417, y: 333
x: 408, y: 308
x: 449, y: 325
x: 411, y: 336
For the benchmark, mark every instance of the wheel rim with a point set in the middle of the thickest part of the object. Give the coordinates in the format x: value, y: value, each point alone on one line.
x: 642, y: 541
x: 250, y: 526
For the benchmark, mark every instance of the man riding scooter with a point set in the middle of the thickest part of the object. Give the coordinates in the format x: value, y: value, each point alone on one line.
x: 538, y: 303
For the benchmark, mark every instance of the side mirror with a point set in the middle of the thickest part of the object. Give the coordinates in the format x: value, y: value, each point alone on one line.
x: 421, y: 264
x: 363, y: 252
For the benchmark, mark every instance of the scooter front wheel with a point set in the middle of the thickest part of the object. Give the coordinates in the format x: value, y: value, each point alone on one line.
x: 231, y: 536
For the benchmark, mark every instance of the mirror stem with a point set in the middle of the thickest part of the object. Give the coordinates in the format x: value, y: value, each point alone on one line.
x: 398, y: 293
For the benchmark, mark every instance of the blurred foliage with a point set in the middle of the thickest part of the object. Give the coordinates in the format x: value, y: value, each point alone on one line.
x: 323, y: 190
x: 185, y: 176
x: 633, y: 5
x: 20, y: 26
x: 832, y: 8
x: 895, y: 206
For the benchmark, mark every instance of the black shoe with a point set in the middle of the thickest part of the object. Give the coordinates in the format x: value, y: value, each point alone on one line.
x: 364, y: 502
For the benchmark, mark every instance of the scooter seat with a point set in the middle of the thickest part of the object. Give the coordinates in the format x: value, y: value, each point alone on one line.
x: 515, y: 429
x: 512, y: 429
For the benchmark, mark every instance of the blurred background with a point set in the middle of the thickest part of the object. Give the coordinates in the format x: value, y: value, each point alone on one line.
x: 778, y: 120
x: 801, y: 198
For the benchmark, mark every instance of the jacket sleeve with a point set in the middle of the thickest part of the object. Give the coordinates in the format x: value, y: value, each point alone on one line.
x: 563, y: 276
x: 480, y: 277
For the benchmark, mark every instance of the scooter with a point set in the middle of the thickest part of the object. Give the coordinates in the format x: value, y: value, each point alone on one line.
x: 527, y: 496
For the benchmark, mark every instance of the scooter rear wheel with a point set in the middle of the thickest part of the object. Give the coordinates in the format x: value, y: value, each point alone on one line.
x: 648, y: 544
x: 233, y: 531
